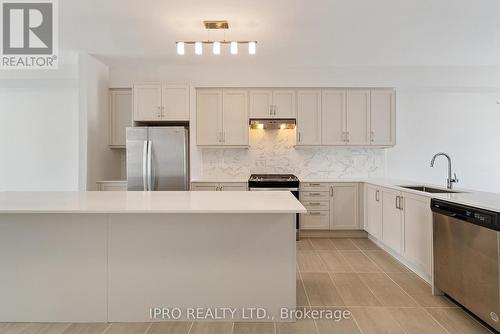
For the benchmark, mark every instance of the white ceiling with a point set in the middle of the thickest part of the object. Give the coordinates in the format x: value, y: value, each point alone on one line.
x: 290, y: 32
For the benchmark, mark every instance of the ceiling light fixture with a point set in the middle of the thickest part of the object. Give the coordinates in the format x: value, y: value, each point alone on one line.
x: 216, y: 45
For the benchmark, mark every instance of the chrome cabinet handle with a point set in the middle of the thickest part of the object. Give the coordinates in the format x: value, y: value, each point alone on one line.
x: 150, y: 168
x: 372, y: 136
x: 145, y: 166
x: 377, y: 195
x: 397, y: 202
x: 314, y: 203
x: 158, y: 114
x: 299, y: 137
x: 348, y: 136
x: 315, y: 213
x: 314, y: 184
x: 401, y: 203
x: 314, y: 194
x: 331, y: 191
x: 270, y: 109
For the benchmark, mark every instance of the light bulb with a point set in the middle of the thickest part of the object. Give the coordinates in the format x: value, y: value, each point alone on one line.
x: 180, y: 48
x: 216, y: 48
x: 198, y: 48
x: 252, y: 48
x: 234, y: 48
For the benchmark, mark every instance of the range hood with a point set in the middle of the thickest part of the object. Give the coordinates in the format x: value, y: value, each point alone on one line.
x: 272, y: 124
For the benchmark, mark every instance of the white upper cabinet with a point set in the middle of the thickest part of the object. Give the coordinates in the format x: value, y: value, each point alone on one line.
x: 158, y: 101
x: 175, y: 99
x: 261, y: 101
x: 383, y: 117
x: 284, y: 103
x: 235, y: 117
x: 358, y: 117
x: 222, y: 117
x: 209, y: 117
x: 147, y: 102
x: 334, y: 114
x: 309, y: 117
x: 120, y: 115
x: 272, y: 103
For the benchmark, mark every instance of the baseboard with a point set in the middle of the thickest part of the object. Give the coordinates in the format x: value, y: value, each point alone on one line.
x: 333, y: 234
x: 401, y: 259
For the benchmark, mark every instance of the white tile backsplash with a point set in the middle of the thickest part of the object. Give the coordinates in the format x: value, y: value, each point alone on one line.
x: 273, y: 151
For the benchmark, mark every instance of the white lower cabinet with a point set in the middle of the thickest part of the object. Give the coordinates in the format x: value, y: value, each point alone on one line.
x: 418, y: 231
x: 111, y: 185
x: 392, y: 225
x: 373, y: 205
x: 330, y: 206
x: 344, y: 211
x: 401, y: 221
x: 219, y: 186
x: 316, y: 199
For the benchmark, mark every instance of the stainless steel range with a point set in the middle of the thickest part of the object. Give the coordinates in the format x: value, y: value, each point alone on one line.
x: 276, y: 182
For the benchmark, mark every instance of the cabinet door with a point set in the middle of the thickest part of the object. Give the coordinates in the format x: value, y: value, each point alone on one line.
x: 333, y: 114
x: 204, y: 186
x: 235, y: 117
x: 358, y: 117
x: 344, y: 207
x: 120, y: 115
x: 383, y: 117
x: 309, y: 117
x: 236, y: 186
x: 147, y: 102
x: 209, y: 117
x: 418, y: 231
x: 284, y: 103
x: 374, y: 211
x: 175, y: 102
x: 112, y: 186
x: 314, y: 220
x: 260, y: 103
x: 392, y: 225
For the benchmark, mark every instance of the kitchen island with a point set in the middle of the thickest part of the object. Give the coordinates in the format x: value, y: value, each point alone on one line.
x: 145, y: 256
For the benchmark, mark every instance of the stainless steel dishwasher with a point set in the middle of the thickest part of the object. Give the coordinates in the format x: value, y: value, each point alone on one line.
x: 466, y: 257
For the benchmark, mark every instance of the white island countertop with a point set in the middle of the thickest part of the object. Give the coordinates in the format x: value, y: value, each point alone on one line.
x: 150, y: 202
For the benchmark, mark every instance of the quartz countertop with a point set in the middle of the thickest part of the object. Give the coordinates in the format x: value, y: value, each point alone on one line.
x: 470, y: 197
x: 150, y: 202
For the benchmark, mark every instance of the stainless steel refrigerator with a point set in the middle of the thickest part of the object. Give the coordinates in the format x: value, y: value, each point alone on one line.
x: 158, y: 158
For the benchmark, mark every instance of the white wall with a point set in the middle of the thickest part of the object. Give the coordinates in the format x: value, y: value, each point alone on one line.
x: 39, y: 130
x: 464, y: 124
x: 438, y: 108
x: 97, y: 160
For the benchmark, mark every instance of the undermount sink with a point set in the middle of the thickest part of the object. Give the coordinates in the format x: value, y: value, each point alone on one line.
x: 430, y: 189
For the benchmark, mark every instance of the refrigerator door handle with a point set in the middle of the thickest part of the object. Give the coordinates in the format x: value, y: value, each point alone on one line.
x: 144, y: 165
x: 150, y: 143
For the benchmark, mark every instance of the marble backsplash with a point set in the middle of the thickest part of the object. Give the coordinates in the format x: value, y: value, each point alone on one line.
x: 273, y: 151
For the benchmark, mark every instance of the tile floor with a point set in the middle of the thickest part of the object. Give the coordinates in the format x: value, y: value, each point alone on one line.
x: 335, y: 274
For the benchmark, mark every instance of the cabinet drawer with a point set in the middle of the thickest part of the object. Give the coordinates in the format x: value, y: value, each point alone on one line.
x: 315, y: 220
x: 314, y: 196
x: 314, y: 186
x: 316, y: 205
